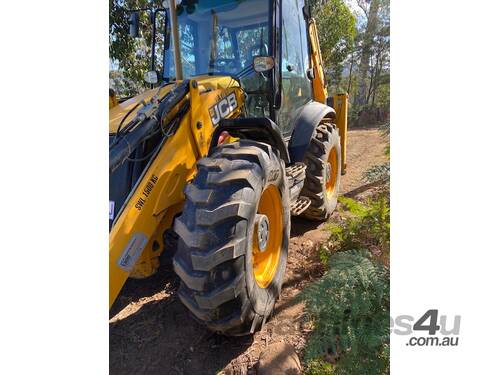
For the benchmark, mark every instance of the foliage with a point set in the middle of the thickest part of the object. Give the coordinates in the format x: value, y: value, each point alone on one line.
x: 378, y: 173
x: 369, y: 63
x: 336, y: 32
x: 131, y: 55
x: 349, y: 308
x: 318, y: 367
x: 125, y: 87
x: 365, y: 226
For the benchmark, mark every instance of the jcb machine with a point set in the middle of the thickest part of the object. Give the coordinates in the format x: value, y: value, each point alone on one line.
x: 236, y: 135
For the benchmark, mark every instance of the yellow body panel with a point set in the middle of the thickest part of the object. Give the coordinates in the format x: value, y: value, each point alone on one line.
x: 341, y: 106
x: 117, y: 112
x: 205, y: 82
x: 265, y: 262
x: 332, y: 180
x: 159, y: 196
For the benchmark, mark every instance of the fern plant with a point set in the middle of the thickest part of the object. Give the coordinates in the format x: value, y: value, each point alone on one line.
x: 349, y: 308
x: 364, y: 226
x: 381, y: 172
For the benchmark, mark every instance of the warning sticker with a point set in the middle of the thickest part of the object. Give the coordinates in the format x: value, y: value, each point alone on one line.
x: 132, y: 251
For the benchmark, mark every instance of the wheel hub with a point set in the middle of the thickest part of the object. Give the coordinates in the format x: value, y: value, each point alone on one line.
x: 267, y: 236
x: 262, y: 230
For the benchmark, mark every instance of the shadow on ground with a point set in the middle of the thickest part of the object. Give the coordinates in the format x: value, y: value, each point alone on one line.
x: 159, y: 337
x: 151, y: 332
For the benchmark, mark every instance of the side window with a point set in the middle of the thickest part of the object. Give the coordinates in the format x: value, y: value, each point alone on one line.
x: 224, y: 45
x: 254, y: 42
x: 296, y: 87
x: 225, y: 59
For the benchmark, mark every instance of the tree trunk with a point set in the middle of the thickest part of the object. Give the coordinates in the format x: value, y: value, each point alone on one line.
x: 378, y: 69
x: 367, y: 100
x: 371, y: 26
x: 350, y: 74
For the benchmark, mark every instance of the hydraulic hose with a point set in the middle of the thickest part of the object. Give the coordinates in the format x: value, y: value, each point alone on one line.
x: 126, y: 144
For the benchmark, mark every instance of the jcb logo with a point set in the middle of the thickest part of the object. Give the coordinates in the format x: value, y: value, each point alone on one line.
x: 223, y: 108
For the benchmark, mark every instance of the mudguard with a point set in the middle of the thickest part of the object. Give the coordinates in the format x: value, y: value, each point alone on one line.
x: 305, y: 123
x: 260, y: 129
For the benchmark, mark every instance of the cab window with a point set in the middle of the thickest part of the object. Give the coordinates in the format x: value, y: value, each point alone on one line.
x: 296, y: 87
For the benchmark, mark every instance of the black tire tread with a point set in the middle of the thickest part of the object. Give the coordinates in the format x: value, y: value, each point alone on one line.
x: 211, y: 265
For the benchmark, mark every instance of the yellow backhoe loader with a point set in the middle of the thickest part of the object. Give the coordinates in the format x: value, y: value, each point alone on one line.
x: 236, y: 134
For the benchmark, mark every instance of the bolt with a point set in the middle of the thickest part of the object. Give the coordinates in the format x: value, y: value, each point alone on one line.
x: 199, y: 125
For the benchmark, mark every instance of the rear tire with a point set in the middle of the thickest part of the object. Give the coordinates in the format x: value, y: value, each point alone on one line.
x: 220, y: 283
x: 323, y: 160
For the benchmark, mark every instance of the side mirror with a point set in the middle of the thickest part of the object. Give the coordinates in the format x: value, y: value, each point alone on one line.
x: 151, y: 77
x: 263, y: 63
x: 133, y: 22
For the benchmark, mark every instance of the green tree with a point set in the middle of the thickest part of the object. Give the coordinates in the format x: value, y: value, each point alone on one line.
x: 373, y: 46
x: 336, y: 31
x: 130, y: 55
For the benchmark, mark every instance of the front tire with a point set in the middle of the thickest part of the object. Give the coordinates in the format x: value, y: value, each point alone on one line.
x: 232, y: 267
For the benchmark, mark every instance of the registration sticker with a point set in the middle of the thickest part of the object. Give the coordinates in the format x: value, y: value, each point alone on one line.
x: 132, y: 251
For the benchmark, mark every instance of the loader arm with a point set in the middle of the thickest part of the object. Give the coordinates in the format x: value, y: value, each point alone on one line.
x: 136, y: 236
x: 320, y: 89
x: 339, y: 102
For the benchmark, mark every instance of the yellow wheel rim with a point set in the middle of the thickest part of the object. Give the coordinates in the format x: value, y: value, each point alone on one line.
x: 266, y: 253
x: 331, y: 175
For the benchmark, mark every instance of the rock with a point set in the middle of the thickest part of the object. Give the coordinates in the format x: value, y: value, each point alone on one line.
x: 279, y: 358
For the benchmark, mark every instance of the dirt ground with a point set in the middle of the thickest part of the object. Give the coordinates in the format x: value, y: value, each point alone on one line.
x: 150, y: 331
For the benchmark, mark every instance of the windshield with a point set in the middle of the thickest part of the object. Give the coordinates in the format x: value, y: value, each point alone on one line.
x: 220, y: 37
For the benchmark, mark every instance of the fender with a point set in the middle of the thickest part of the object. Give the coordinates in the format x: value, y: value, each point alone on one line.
x: 260, y: 129
x: 305, y: 123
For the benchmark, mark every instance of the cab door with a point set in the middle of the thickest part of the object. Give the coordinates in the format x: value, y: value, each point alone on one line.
x: 296, y: 88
